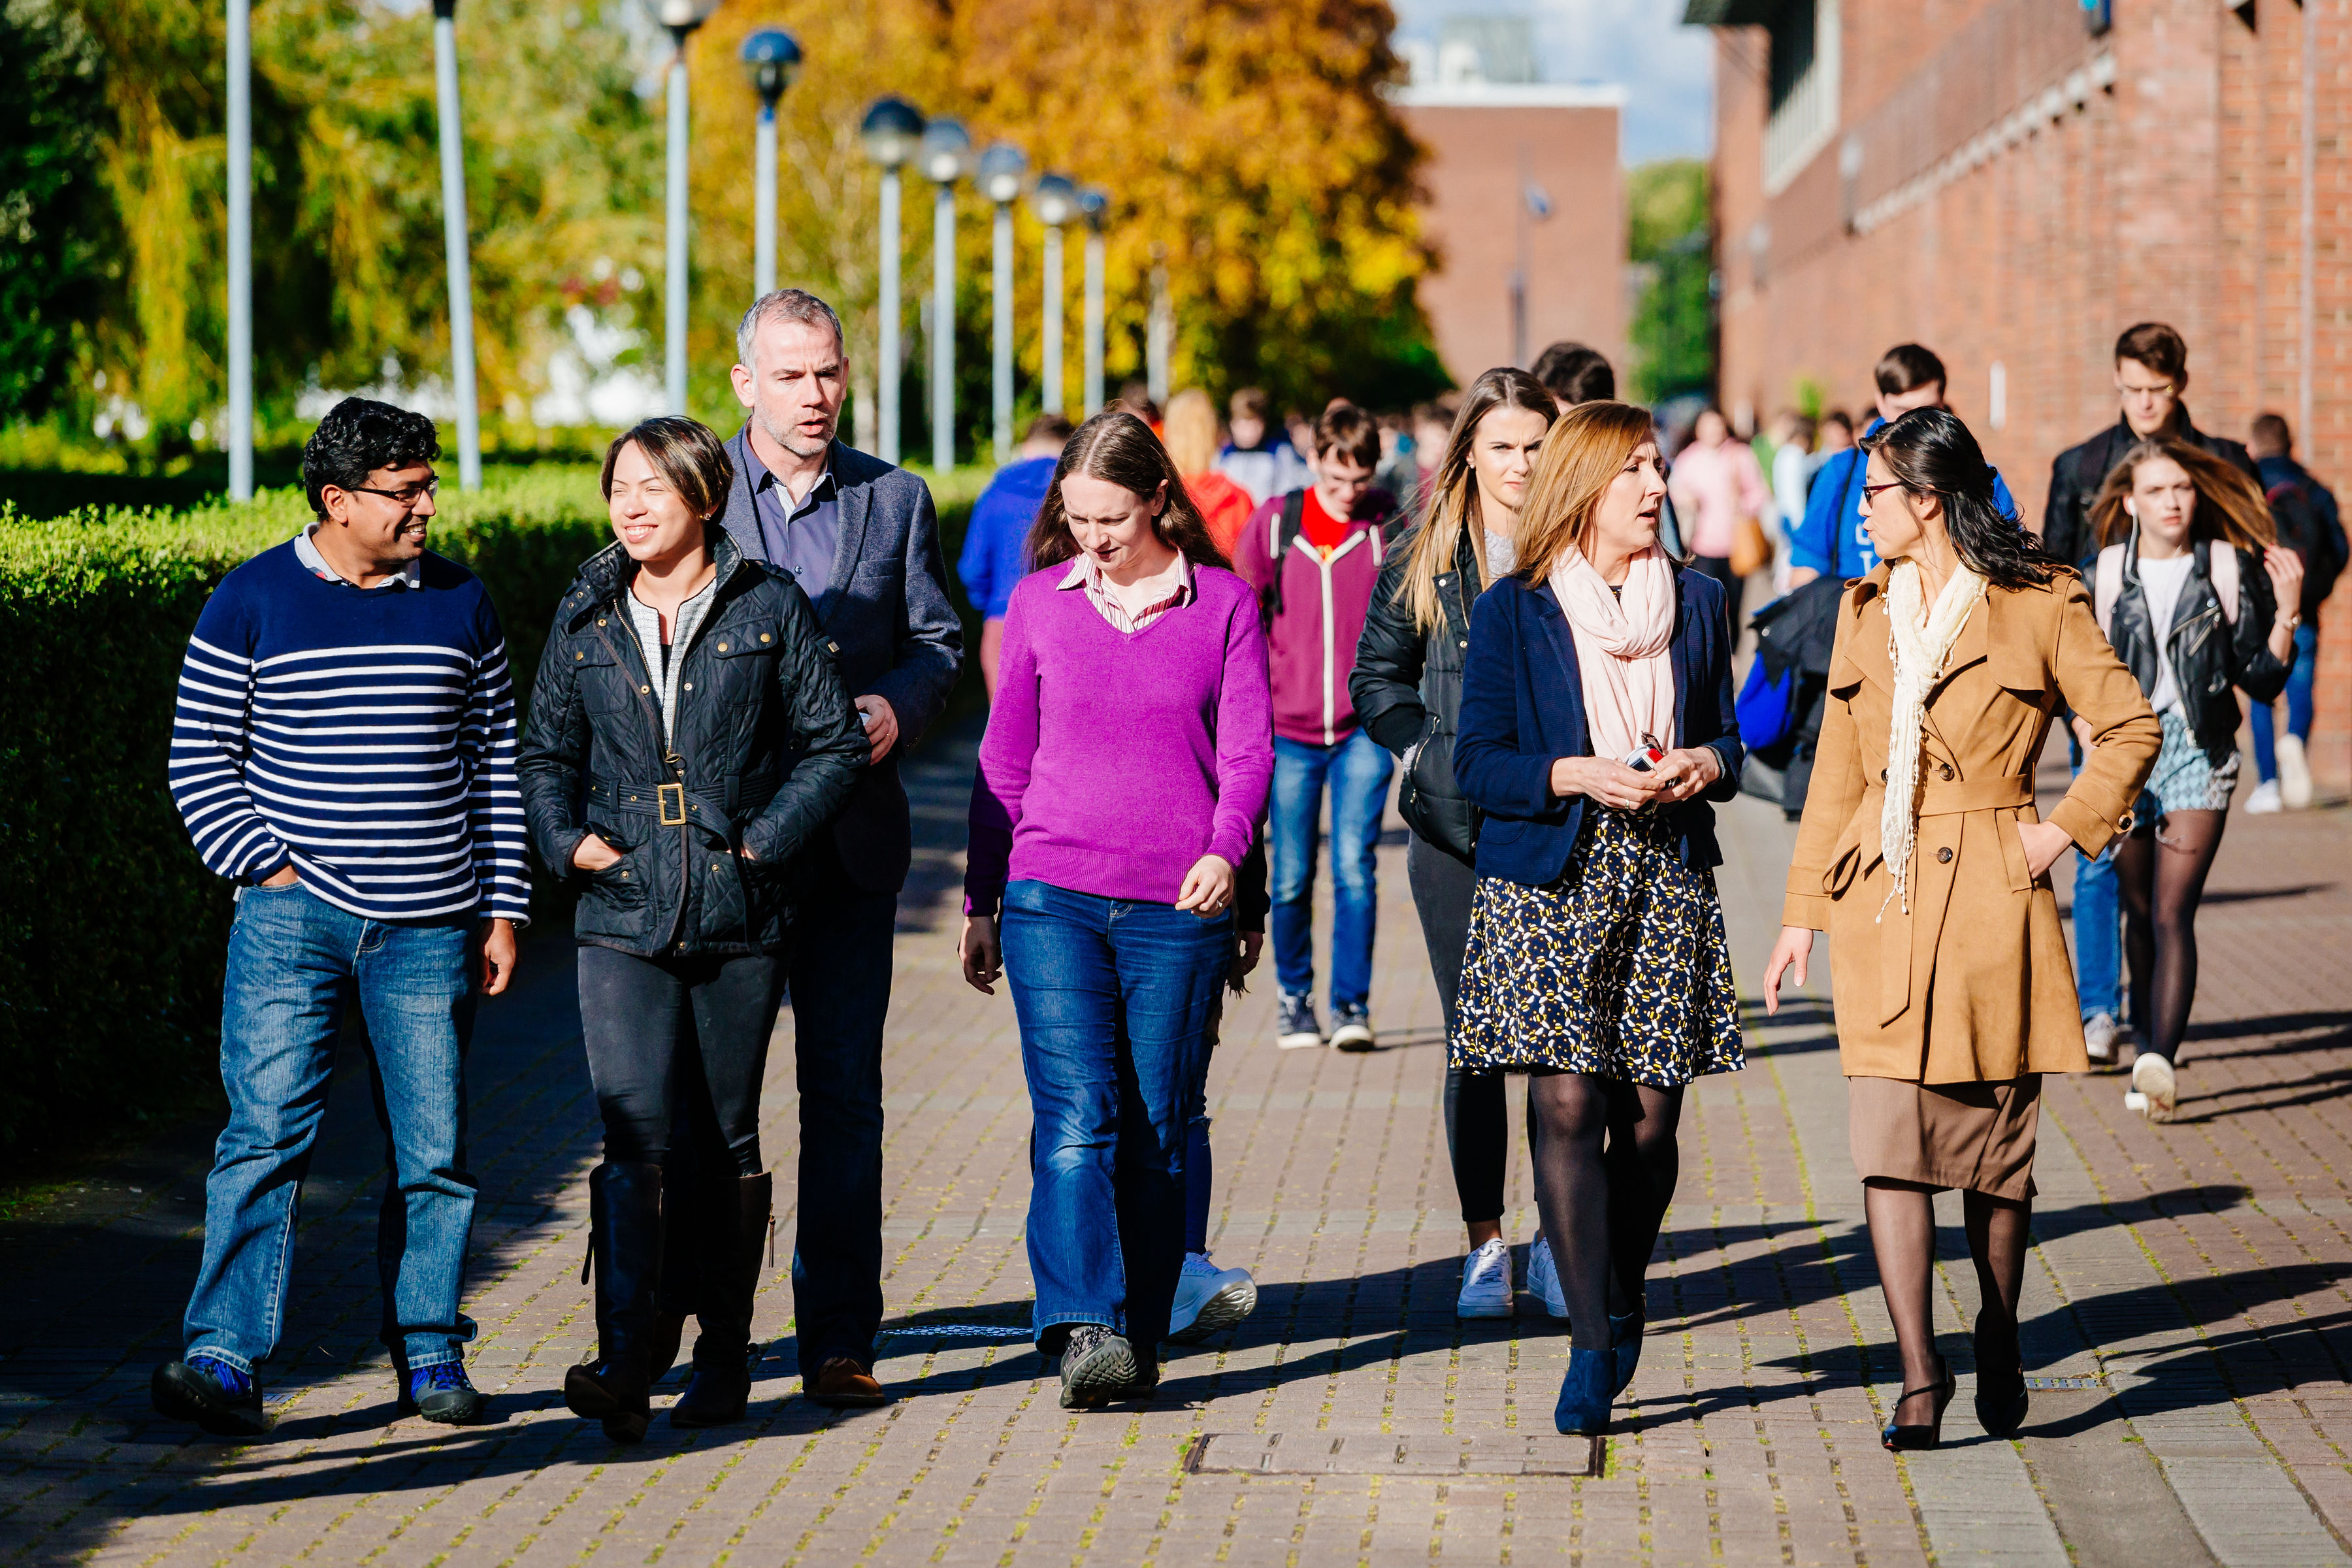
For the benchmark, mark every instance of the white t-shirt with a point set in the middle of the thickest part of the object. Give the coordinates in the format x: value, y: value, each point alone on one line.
x: 2161, y: 582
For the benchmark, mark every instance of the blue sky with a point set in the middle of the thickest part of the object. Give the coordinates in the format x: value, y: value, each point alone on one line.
x: 1668, y: 69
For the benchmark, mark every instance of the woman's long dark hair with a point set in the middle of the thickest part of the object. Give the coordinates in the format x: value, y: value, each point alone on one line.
x: 1929, y: 451
x: 1121, y: 450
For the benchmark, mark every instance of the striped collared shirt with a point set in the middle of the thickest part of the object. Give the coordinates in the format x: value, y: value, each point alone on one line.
x: 663, y: 662
x: 1086, y: 573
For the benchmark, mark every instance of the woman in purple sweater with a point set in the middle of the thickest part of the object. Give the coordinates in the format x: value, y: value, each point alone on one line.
x: 1125, y: 764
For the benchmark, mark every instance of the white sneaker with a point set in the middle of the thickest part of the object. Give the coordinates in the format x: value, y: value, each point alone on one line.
x: 1208, y: 1298
x: 1543, y: 1279
x: 2265, y: 799
x: 2152, y: 1078
x: 2295, y: 773
x: 2099, y: 1032
x: 1485, y: 1282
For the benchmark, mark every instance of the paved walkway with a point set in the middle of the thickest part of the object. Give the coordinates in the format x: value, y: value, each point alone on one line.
x: 2187, y: 1307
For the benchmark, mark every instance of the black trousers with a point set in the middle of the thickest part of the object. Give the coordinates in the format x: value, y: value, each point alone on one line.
x: 678, y: 1043
x: 1734, y: 588
x: 1477, y: 1110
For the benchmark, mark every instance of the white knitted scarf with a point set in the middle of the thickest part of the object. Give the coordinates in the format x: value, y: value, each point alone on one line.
x: 1920, y: 640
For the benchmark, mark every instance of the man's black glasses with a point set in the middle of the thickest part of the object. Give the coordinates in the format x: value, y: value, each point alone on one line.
x: 406, y: 495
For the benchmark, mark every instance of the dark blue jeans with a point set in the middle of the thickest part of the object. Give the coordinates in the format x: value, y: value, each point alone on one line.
x: 1115, y: 1001
x: 295, y: 964
x: 840, y: 989
x: 1356, y: 770
x: 2299, y: 677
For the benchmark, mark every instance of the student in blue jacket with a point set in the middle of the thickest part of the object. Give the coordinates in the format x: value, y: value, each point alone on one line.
x: 995, y: 554
x: 1831, y: 538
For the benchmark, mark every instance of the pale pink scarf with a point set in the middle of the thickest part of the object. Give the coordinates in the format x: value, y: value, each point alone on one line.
x: 1620, y: 649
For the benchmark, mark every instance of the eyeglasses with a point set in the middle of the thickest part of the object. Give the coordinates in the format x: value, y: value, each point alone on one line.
x: 406, y: 495
x: 1870, y: 492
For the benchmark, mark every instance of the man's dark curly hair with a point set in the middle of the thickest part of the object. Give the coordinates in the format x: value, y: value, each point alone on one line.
x: 358, y: 436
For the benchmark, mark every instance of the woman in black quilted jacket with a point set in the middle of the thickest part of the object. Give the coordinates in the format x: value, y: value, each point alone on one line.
x: 1407, y: 691
x: 689, y: 733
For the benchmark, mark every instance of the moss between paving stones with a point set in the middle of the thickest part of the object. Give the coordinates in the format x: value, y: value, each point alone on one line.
x: 112, y: 941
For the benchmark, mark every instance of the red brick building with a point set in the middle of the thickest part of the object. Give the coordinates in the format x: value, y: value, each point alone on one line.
x: 2012, y: 183
x: 1491, y: 146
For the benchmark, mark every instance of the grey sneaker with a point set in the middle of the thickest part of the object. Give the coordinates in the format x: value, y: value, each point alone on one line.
x: 2099, y: 1032
x: 1208, y: 1298
x: 1351, y: 1028
x: 1298, y: 1030
x: 1485, y: 1282
x: 1098, y: 1366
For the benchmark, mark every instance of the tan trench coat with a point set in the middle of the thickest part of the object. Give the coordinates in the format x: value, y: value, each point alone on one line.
x: 1973, y: 984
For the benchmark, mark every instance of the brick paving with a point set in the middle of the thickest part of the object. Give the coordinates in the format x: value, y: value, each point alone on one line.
x: 2190, y: 1279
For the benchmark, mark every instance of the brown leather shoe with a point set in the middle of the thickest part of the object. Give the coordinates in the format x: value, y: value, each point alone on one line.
x: 842, y: 1384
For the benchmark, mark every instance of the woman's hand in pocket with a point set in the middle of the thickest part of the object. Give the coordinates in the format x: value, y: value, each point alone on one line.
x: 2044, y: 842
x: 592, y: 854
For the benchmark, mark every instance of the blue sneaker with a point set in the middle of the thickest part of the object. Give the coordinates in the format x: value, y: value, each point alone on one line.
x: 441, y: 1393
x: 1585, y: 1394
x: 211, y: 1392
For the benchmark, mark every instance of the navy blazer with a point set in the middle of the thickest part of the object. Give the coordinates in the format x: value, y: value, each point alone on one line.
x: 891, y: 629
x: 1523, y: 707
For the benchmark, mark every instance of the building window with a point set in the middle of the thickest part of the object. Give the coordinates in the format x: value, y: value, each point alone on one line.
x: 1804, y: 88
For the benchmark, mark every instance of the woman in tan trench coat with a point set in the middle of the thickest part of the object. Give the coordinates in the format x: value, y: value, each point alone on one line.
x: 1948, y: 972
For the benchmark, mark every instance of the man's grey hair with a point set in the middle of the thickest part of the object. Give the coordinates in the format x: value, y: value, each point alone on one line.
x: 782, y: 305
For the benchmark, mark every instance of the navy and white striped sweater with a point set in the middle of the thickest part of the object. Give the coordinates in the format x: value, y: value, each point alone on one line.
x: 365, y: 736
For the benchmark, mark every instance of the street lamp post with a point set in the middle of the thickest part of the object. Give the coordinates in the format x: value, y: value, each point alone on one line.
x: 1094, y: 202
x: 240, y: 251
x: 892, y: 128
x: 1057, y: 201
x: 945, y: 150
x: 681, y: 18
x: 1160, y: 331
x: 771, y: 58
x: 452, y: 235
x: 1001, y: 170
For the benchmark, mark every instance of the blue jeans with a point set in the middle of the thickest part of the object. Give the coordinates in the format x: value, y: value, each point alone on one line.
x: 2299, y: 703
x: 1115, y: 1001
x: 2099, y: 944
x: 294, y: 963
x: 1357, y: 769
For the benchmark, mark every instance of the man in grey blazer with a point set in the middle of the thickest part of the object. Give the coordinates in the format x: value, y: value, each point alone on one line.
x: 861, y: 538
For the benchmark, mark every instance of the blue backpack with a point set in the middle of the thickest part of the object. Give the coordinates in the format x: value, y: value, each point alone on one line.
x: 1768, y: 705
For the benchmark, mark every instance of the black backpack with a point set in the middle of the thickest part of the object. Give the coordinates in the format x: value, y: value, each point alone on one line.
x: 2302, y: 530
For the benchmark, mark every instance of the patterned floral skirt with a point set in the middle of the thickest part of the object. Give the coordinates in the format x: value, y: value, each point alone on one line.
x: 1620, y: 968
x: 2184, y: 777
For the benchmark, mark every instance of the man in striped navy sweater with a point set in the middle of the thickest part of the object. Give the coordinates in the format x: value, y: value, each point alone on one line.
x: 344, y: 751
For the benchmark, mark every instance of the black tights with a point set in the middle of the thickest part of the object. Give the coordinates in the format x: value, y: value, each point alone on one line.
x: 1902, y: 1218
x: 1602, y: 1210
x: 2161, y: 877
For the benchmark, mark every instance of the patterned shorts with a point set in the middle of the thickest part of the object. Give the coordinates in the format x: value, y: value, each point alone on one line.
x: 1619, y: 969
x: 2184, y: 777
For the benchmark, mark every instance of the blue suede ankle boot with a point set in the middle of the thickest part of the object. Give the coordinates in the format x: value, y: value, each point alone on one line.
x: 1625, y: 1345
x: 1585, y: 1394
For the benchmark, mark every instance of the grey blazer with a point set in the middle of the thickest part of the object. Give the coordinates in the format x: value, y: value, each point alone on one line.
x: 892, y: 627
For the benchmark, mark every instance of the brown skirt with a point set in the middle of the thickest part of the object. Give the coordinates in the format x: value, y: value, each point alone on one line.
x: 1976, y: 1136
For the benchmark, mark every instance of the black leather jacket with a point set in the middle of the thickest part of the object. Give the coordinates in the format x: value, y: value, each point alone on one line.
x: 1407, y: 691
x: 766, y: 750
x: 2209, y: 655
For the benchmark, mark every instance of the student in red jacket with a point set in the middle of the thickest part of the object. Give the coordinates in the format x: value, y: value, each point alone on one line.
x: 1314, y: 557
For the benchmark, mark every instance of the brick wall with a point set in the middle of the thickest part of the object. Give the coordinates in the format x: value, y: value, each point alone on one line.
x: 2011, y: 190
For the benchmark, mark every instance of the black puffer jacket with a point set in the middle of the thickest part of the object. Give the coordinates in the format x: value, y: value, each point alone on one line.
x: 765, y: 752
x: 2209, y: 655
x: 1407, y: 690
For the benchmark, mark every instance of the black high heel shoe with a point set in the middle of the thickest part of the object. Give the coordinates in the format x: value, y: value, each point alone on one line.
x: 1900, y: 1439
x: 2002, y: 1398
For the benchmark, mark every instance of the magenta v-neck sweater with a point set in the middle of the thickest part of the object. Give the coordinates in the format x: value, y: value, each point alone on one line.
x: 1114, y: 759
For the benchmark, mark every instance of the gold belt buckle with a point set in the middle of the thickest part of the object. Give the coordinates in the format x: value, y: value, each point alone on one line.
x: 672, y: 815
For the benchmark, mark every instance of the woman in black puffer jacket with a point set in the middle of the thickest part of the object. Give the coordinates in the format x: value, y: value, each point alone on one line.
x: 1407, y: 691
x: 688, y: 734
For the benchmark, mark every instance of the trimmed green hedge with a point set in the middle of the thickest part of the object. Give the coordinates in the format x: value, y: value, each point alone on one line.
x: 111, y: 950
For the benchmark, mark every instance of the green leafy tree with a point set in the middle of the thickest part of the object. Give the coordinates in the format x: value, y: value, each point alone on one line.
x: 1673, y: 321
x: 54, y: 228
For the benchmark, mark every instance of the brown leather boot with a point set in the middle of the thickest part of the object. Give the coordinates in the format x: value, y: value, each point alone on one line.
x: 721, y: 1388
x: 843, y: 1384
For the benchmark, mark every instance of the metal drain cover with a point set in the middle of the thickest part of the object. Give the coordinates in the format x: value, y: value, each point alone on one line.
x: 1395, y: 1454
